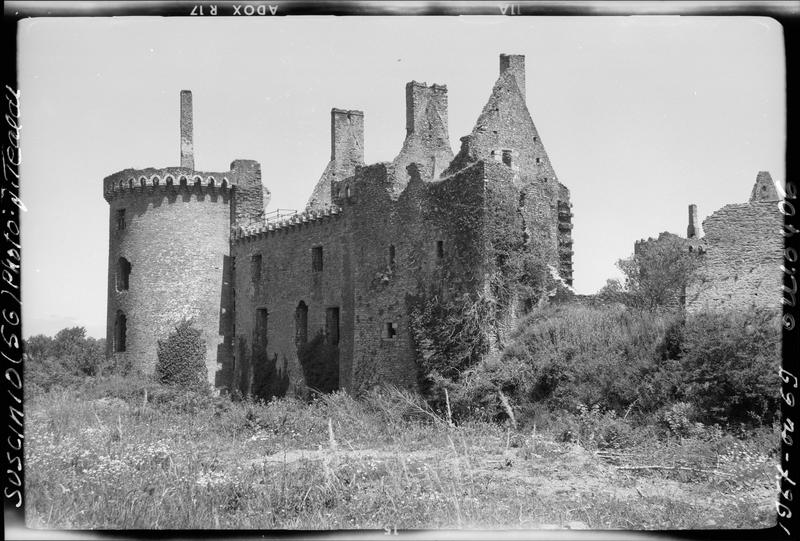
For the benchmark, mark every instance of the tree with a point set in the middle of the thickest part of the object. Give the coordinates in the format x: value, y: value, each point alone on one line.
x: 658, y: 271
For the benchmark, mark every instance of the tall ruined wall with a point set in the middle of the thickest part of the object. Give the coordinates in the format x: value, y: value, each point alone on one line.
x: 174, y: 234
x: 286, y: 276
x: 427, y: 241
x: 741, y: 265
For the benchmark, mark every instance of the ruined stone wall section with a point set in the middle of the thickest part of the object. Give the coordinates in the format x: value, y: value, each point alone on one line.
x: 177, y: 243
x: 251, y: 195
x: 740, y: 268
x: 564, y: 235
x: 426, y: 214
x: 427, y: 141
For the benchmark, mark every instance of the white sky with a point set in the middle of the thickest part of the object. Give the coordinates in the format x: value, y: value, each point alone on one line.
x: 640, y: 117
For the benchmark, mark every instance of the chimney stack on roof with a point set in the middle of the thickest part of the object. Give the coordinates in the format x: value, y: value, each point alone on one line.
x: 187, y: 140
x: 693, y: 231
x: 516, y: 64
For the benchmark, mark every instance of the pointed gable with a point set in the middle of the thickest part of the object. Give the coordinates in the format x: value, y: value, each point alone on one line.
x: 505, y: 131
x: 764, y: 188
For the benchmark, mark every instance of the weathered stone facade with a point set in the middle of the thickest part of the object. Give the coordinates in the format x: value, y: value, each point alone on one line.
x: 321, y: 299
x: 741, y: 253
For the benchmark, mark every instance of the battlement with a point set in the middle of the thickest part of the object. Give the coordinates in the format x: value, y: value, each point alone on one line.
x: 169, y: 178
x: 312, y: 217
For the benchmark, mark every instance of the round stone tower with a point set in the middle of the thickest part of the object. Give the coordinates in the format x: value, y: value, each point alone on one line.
x: 169, y: 253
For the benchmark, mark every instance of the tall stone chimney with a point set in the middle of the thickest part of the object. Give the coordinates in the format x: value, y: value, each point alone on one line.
x: 187, y: 140
x: 421, y: 100
x: 347, y: 137
x: 693, y: 231
x: 515, y: 63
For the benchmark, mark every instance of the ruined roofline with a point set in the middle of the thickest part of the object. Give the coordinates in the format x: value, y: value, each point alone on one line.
x: 136, y: 180
x: 347, y: 111
x: 240, y: 234
x: 433, y: 86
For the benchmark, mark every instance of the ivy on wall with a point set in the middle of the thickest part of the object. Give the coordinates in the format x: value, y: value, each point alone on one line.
x: 182, y: 358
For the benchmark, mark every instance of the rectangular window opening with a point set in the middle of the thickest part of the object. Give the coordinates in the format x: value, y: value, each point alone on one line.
x: 507, y: 157
x: 439, y: 249
x: 120, y: 219
x: 255, y: 268
x: 316, y: 258
x: 390, y: 330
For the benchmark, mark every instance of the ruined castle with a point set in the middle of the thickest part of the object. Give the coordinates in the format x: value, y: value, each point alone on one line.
x: 270, y: 291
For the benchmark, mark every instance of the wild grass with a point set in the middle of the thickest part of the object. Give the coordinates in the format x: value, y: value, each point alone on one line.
x: 100, y: 456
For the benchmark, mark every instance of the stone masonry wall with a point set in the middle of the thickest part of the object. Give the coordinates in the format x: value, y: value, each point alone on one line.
x: 413, y: 226
x: 287, y: 277
x: 741, y: 264
x: 177, y: 243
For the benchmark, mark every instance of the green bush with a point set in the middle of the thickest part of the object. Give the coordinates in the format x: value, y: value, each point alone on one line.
x: 729, y: 364
x: 182, y: 358
x: 573, y: 354
x: 63, y: 360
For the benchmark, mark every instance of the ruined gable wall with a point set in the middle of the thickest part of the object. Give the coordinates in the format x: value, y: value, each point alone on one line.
x: 741, y: 265
x: 505, y: 125
x: 287, y: 278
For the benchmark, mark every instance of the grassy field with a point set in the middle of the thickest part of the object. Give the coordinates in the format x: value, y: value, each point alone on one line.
x: 98, y: 460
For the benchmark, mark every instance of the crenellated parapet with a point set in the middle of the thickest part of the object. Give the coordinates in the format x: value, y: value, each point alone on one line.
x: 310, y: 217
x: 140, y: 181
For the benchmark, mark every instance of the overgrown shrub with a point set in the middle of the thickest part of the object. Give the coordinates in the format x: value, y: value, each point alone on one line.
x: 729, y: 364
x: 657, y: 273
x: 654, y: 366
x: 320, y: 363
x: 63, y: 360
x: 573, y: 354
x: 182, y: 358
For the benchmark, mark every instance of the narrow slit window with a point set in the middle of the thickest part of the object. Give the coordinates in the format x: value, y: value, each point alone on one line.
x: 261, y: 328
x: 301, y: 323
x: 439, y: 249
x: 316, y: 259
x: 120, y: 332
x: 392, y: 256
x: 255, y: 268
x: 120, y: 219
x: 123, y: 274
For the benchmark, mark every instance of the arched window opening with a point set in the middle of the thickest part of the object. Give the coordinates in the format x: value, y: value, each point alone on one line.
x: 301, y: 323
x: 123, y: 274
x: 120, y: 332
